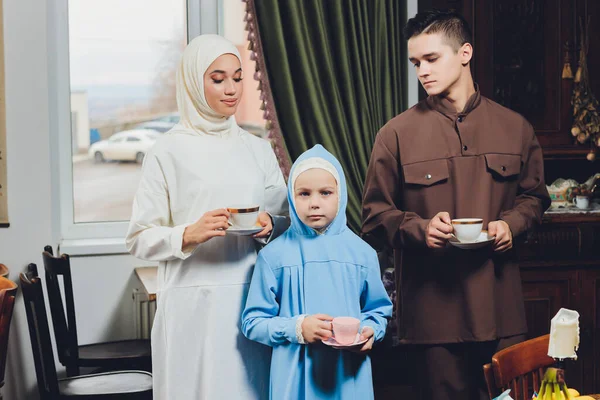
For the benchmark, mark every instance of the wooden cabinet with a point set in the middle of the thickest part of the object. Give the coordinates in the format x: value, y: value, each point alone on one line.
x: 560, y: 267
x: 518, y: 60
x: 545, y: 291
x: 590, y: 329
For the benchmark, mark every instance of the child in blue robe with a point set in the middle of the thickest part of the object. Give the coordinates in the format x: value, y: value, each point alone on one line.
x: 315, y: 271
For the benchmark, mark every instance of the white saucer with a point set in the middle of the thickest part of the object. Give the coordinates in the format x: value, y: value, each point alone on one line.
x: 483, y: 240
x: 243, y: 232
x: 333, y: 343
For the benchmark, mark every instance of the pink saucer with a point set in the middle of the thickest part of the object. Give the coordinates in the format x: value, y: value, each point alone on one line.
x: 333, y: 343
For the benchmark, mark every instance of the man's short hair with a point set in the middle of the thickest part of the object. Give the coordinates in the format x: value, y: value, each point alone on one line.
x: 448, y: 22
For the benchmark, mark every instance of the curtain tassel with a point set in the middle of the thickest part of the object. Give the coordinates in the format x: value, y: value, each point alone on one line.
x: 567, y: 73
x: 578, y: 75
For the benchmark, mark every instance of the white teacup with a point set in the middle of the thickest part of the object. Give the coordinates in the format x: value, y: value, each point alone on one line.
x: 582, y: 202
x: 243, y: 217
x: 467, y: 229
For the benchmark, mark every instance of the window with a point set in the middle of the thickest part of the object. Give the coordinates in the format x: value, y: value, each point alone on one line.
x: 249, y: 115
x: 122, y: 59
x: 112, y: 70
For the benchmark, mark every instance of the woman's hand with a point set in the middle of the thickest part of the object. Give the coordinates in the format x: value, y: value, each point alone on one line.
x: 265, y: 221
x: 211, y: 224
x: 316, y: 327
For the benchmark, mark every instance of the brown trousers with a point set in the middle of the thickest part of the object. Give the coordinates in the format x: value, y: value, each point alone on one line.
x: 455, y: 371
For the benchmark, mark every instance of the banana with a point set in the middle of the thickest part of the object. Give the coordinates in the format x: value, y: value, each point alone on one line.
x: 554, y: 387
x: 557, y: 392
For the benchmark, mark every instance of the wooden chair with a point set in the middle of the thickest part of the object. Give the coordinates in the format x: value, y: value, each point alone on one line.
x: 519, y: 367
x: 123, y: 354
x: 8, y: 291
x: 109, y: 385
x: 4, y: 271
x: 490, y: 381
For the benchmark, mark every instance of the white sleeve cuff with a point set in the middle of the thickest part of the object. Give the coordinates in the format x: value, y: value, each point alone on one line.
x: 177, y: 242
x: 299, y: 335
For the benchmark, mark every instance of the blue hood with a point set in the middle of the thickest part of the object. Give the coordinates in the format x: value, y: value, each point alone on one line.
x: 339, y: 223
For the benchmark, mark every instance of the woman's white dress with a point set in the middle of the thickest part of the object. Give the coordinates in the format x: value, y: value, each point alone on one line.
x: 198, y: 350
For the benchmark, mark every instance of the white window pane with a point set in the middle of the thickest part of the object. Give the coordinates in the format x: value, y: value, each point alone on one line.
x: 123, y: 57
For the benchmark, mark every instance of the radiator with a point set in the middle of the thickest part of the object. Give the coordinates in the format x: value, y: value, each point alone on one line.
x: 144, y: 310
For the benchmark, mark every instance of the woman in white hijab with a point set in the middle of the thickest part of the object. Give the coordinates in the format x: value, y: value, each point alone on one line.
x: 194, y: 172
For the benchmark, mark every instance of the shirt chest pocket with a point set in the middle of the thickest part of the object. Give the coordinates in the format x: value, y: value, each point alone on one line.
x: 426, y: 173
x: 503, y: 167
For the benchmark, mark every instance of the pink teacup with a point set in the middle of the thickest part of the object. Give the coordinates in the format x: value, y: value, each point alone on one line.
x: 345, y: 329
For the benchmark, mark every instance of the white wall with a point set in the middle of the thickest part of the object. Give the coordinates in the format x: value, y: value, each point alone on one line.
x: 28, y: 166
x: 103, y: 284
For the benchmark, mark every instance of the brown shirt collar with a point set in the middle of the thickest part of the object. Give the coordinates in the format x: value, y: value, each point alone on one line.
x: 444, y: 106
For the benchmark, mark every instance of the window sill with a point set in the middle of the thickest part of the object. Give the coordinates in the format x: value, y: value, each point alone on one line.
x: 92, y: 247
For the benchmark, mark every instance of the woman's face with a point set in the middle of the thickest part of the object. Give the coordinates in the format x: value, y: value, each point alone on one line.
x: 223, y: 85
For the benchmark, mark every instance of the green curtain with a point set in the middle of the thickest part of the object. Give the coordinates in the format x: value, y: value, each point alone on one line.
x: 336, y: 71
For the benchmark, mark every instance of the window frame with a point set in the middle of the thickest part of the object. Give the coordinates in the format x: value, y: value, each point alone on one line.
x: 202, y: 17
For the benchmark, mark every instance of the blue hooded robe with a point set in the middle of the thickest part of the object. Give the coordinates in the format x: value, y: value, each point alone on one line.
x: 305, y: 272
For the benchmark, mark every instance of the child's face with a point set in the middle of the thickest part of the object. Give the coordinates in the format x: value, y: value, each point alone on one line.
x: 316, y: 197
x: 439, y: 67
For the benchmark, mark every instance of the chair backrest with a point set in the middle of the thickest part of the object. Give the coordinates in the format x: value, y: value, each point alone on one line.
x: 490, y: 381
x: 521, y: 367
x: 39, y: 333
x: 8, y: 291
x: 63, y: 318
x: 4, y: 271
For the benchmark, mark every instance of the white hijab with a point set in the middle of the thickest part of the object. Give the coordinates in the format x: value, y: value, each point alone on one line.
x: 196, y: 116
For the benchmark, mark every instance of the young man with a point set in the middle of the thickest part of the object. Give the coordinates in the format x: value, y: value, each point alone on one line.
x: 455, y: 154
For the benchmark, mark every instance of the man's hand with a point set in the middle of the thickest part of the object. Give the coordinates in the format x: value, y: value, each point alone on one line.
x: 501, y: 230
x: 438, y: 230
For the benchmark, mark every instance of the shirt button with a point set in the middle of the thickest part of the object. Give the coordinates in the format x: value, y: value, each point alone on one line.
x: 465, y: 148
x: 460, y: 119
x: 503, y: 168
x: 428, y: 176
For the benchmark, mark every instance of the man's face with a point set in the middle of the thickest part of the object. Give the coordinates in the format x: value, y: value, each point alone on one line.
x: 438, y: 66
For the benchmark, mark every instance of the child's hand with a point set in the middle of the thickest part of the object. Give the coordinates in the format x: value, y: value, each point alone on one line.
x: 367, y: 332
x: 316, y: 327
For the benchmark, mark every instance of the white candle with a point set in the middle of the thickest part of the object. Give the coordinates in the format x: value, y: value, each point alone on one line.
x: 564, y: 334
